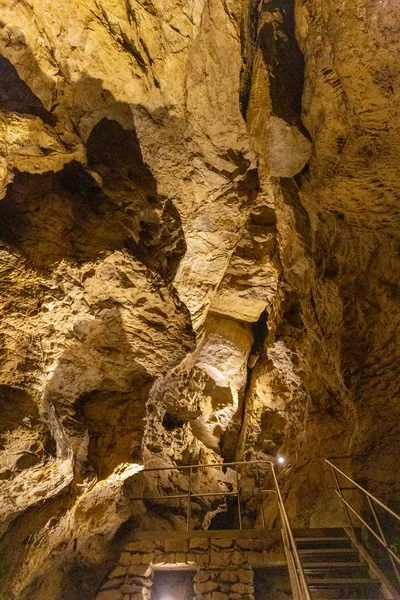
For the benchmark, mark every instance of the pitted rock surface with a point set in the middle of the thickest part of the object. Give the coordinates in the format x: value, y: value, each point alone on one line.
x: 199, y: 263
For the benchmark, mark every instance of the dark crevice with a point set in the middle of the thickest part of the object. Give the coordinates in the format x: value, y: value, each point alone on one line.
x: 115, y: 154
x: 284, y: 62
x: 290, y: 193
x: 228, y: 519
x: 52, y: 217
x: 248, y: 36
x: 260, y: 332
x: 16, y: 95
x: 292, y: 310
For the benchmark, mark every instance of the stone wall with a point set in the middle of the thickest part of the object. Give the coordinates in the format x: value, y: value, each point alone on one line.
x: 223, y: 565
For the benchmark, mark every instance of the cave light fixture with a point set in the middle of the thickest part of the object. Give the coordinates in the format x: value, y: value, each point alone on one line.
x: 281, y: 460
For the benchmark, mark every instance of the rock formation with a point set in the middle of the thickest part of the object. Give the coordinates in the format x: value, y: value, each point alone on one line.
x: 199, y: 255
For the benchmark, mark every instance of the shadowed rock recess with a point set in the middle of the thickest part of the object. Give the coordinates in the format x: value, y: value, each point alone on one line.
x: 199, y: 257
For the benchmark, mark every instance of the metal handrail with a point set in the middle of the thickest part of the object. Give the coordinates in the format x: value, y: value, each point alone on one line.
x: 303, y: 593
x: 381, y: 537
x: 295, y: 567
x: 191, y: 494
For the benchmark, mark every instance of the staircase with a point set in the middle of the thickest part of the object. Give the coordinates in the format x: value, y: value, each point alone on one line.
x: 322, y: 563
x: 333, y: 567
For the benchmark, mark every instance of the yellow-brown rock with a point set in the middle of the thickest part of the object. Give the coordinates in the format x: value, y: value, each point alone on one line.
x: 199, y: 263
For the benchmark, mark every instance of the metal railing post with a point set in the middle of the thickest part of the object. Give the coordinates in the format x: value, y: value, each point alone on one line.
x: 238, y: 497
x: 294, y: 582
x: 261, y: 496
x: 364, y: 490
x: 302, y: 582
x: 394, y: 558
x: 189, y: 501
x: 340, y: 493
x: 375, y: 515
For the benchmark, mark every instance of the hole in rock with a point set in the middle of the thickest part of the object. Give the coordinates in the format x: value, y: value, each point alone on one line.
x: 27, y: 460
x: 226, y: 519
x: 171, y: 422
x: 263, y: 216
x: 52, y: 217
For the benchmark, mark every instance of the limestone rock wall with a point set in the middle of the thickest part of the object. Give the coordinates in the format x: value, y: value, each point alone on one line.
x: 199, y: 262
x: 126, y: 180
x: 316, y: 385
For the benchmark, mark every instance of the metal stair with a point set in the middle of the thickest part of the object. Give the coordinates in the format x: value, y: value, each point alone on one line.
x: 333, y: 567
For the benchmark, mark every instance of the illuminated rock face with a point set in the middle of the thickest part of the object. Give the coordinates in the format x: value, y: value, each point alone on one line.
x: 199, y: 261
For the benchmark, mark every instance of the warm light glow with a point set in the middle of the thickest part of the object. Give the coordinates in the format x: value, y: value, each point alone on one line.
x: 281, y: 460
x: 125, y: 470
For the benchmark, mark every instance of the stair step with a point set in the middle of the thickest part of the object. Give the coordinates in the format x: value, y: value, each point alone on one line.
x: 332, y: 567
x: 337, y: 565
x: 322, y: 539
x: 328, y: 557
x: 345, y: 581
x: 354, y: 570
x: 327, y: 550
x: 319, y: 532
x: 333, y: 594
x: 324, y: 542
x: 335, y: 589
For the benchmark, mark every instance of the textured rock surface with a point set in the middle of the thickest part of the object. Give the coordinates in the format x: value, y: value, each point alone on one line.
x: 339, y: 321
x: 199, y: 262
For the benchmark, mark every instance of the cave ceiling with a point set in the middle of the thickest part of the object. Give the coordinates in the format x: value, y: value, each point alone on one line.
x: 199, y: 257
